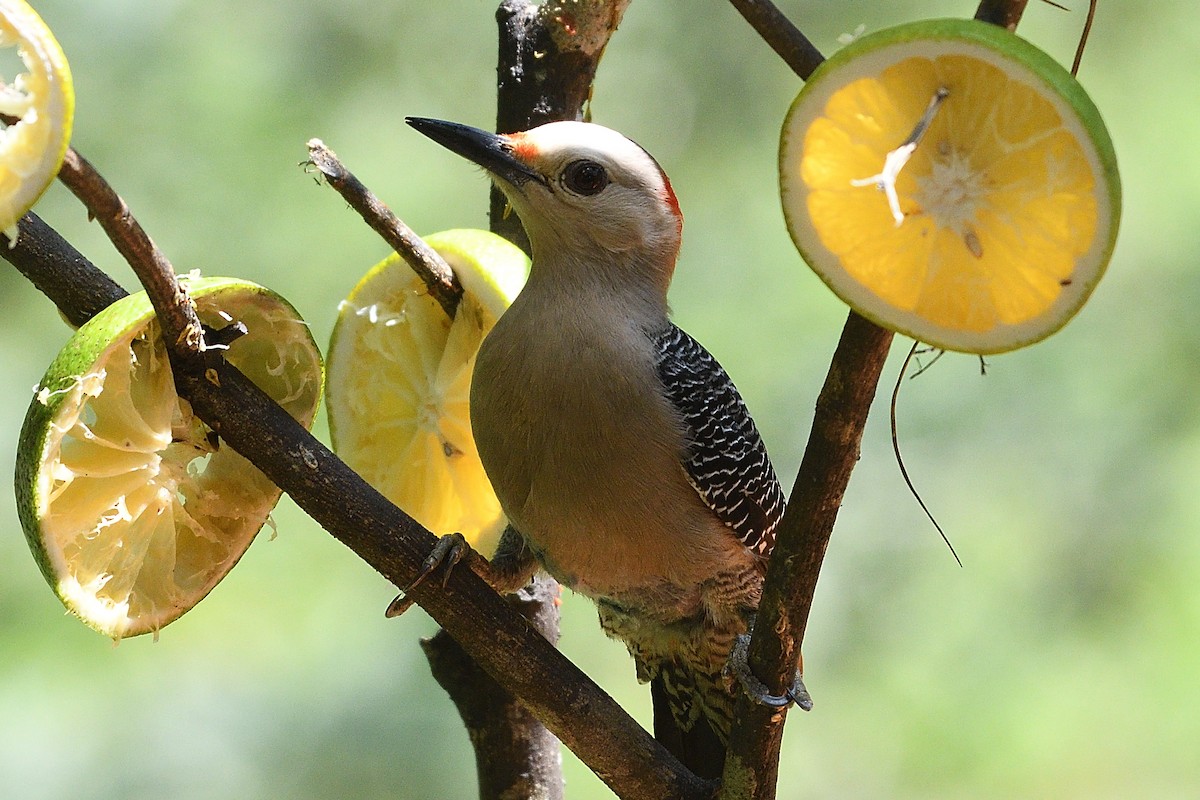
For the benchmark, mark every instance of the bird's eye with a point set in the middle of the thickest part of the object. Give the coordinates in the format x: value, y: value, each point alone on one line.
x: 584, y: 177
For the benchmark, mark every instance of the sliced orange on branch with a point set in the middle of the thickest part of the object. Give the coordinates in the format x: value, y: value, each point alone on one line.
x: 950, y: 181
x: 37, y: 106
x: 399, y: 381
x: 133, y: 507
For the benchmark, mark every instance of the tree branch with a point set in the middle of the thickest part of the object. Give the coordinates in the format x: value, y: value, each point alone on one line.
x: 1005, y: 13
x: 425, y: 261
x: 58, y: 271
x: 784, y: 38
x: 515, y: 756
x: 181, y: 328
x: 752, y: 765
x: 547, y: 62
x: 585, y: 718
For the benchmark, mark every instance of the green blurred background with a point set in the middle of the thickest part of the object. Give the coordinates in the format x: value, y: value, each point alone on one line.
x: 1060, y: 661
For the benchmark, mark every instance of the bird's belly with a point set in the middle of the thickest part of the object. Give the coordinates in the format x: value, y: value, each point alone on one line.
x: 607, y: 516
x: 590, y: 474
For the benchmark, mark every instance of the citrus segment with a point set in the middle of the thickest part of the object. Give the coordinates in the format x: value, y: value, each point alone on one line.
x: 133, y: 507
x: 399, y: 382
x: 950, y: 181
x: 38, y: 106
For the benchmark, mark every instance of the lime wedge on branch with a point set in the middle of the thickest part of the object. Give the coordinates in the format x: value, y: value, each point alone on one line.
x: 950, y: 181
x: 133, y: 507
x: 399, y: 382
x: 37, y: 107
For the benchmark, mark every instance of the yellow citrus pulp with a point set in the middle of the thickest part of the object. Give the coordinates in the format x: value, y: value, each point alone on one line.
x: 42, y: 103
x: 399, y: 381
x: 133, y: 507
x: 950, y: 181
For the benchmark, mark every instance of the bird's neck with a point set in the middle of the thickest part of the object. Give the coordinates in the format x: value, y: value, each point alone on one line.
x: 634, y: 280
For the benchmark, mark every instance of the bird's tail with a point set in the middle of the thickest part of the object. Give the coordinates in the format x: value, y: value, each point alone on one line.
x: 690, y: 737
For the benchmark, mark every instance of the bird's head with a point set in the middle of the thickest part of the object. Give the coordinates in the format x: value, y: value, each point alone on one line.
x: 584, y: 193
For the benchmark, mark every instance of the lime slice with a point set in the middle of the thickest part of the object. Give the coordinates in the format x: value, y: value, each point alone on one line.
x: 950, y: 181
x: 399, y: 383
x: 133, y: 507
x: 42, y: 102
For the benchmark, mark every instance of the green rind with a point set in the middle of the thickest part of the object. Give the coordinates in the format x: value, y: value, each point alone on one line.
x: 87, y: 345
x: 1057, y: 80
x: 507, y: 265
x: 113, y: 327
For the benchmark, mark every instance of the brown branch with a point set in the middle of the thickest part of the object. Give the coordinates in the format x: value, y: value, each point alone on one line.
x: 59, y: 271
x: 752, y: 765
x: 176, y: 313
x: 751, y: 768
x: 1005, y: 13
x: 784, y: 38
x: 425, y: 261
x: 547, y: 61
x: 515, y: 756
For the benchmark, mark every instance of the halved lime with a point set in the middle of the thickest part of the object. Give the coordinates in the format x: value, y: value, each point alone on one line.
x: 42, y: 101
x: 950, y: 181
x: 399, y: 383
x: 133, y: 507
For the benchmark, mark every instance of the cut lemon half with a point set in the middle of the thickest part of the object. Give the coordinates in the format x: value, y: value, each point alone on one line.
x: 950, y: 181
x: 399, y: 383
x: 133, y: 507
x: 42, y: 103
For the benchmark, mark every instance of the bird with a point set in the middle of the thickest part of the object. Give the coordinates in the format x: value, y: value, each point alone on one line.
x: 623, y: 456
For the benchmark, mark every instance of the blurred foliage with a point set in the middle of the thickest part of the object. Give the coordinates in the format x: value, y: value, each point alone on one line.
x: 1059, y: 662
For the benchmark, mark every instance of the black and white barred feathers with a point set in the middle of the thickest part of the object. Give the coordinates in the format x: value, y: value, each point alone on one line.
x: 726, y: 461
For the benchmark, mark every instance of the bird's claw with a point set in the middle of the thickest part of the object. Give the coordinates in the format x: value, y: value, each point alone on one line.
x: 755, y: 689
x: 447, y: 552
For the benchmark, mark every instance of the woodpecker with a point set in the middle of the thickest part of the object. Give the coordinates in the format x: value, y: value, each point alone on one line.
x: 620, y: 450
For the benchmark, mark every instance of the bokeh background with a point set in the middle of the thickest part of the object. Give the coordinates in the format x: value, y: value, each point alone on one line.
x: 1060, y: 661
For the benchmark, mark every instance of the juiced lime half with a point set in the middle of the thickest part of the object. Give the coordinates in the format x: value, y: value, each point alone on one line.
x: 42, y: 103
x: 950, y: 181
x: 399, y: 383
x: 133, y: 507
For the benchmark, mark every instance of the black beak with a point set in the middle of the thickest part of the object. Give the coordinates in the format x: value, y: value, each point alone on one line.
x: 491, y: 151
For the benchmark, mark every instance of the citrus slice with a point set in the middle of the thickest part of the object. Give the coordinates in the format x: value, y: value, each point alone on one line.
x: 950, y: 181
x: 42, y: 103
x: 133, y: 507
x: 399, y: 383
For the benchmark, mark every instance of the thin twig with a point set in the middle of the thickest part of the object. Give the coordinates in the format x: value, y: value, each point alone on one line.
x: 1083, y: 37
x: 176, y: 313
x: 912, y: 351
x: 784, y: 38
x: 425, y: 261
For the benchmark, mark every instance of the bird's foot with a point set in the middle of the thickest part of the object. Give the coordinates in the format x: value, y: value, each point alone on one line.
x: 755, y: 689
x: 449, y: 550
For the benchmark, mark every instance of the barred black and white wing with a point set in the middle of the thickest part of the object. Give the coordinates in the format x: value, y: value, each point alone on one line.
x: 726, y: 460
